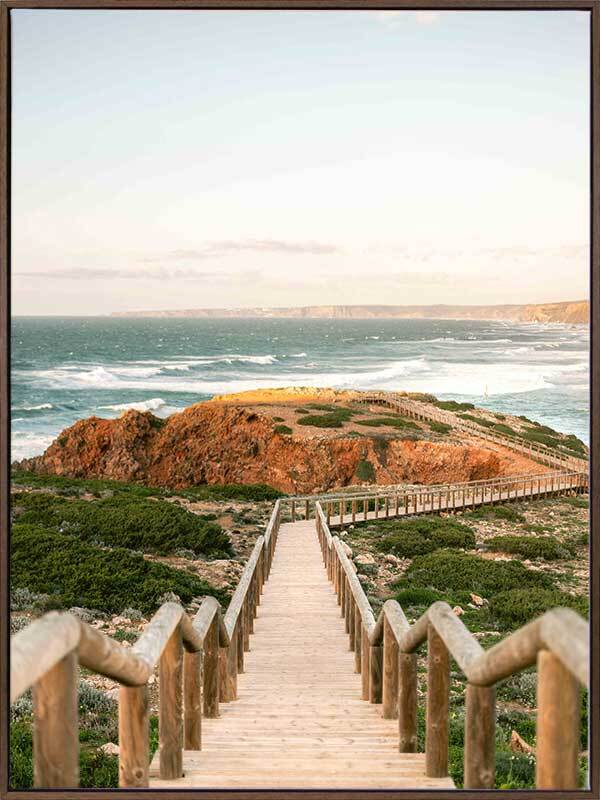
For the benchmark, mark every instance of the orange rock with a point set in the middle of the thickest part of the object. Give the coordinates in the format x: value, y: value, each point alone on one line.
x: 218, y: 443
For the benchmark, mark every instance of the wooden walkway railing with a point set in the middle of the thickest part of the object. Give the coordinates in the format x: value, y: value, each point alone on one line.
x: 432, y: 499
x: 203, y: 655
x: 385, y: 654
x: 423, y: 411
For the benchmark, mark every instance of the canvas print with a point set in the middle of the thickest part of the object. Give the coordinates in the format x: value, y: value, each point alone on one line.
x: 299, y: 399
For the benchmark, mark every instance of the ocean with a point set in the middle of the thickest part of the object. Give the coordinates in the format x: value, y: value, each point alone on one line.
x: 66, y: 369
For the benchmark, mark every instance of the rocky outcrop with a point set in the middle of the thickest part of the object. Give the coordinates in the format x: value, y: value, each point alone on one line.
x: 221, y: 443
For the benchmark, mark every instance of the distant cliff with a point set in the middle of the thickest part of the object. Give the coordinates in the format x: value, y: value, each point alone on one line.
x: 576, y: 312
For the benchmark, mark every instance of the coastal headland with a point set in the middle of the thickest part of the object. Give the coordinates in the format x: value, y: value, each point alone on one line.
x: 301, y: 440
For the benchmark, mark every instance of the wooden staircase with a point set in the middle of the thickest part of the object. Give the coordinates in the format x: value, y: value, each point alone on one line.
x: 297, y: 684
x: 299, y: 720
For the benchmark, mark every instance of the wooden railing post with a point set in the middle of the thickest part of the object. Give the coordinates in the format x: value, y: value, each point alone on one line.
x: 365, y: 668
x: 351, y: 618
x: 438, y: 690
x: 228, y: 671
x: 192, y: 701
x: 480, y: 737
x: 55, y: 729
x: 239, y: 634
x: 390, y: 672
x: 211, y: 670
x: 375, y: 673
x: 558, y: 709
x: 134, y: 736
x: 357, y: 639
x: 407, y: 702
x: 170, y: 725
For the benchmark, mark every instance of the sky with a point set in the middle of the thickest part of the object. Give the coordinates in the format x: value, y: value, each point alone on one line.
x: 190, y: 159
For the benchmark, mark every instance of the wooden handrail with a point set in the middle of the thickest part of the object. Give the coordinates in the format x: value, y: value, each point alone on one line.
x: 558, y: 641
x: 399, y: 500
x: 419, y: 410
x: 368, y: 491
x: 198, y: 664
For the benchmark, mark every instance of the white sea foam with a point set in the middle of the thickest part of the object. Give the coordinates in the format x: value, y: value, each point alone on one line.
x: 24, y: 444
x: 40, y: 407
x: 143, y: 405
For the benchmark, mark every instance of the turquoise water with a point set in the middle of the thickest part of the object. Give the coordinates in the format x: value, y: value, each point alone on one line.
x: 66, y: 369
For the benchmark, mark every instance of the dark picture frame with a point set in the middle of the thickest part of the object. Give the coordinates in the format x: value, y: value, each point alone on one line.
x: 490, y: 6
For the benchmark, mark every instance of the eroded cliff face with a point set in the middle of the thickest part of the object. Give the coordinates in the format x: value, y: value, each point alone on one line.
x: 220, y: 443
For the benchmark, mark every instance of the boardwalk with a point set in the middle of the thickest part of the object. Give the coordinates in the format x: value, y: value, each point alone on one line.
x: 450, y: 498
x: 299, y: 721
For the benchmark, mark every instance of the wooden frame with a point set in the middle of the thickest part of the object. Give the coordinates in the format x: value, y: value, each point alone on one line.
x: 135, y: 700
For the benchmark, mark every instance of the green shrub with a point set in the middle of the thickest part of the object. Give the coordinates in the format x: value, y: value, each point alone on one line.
x: 529, y: 546
x: 452, y: 405
x: 504, y: 429
x: 440, y: 427
x: 335, y: 420
x: 506, y: 513
x: 284, y: 430
x: 244, y: 492
x: 416, y: 596
x: 576, y: 502
x: 391, y: 422
x: 450, y: 571
x: 520, y: 688
x: 331, y: 409
x: 77, y: 486
x: 152, y: 526
x: 424, y: 534
x: 513, y: 608
x: 278, y: 419
x: 96, y: 769
x: 571, y: 442
x: 534, y: 528
x: 536, y: 435
x: 365, y: 471
x: 514, y: 770
x: 499, y: 416
x: 484, y: 423
x: 523, y: 418
x: 79, y: 573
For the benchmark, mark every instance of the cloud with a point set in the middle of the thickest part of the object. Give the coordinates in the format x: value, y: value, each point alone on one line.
x: 159, y: 273
x: 232, y: 247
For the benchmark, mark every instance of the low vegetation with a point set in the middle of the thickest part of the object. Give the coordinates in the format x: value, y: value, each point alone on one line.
x: 507, y: 513
x: 453, y: 572
x: 389, y: 422
x: 78, y: 573
x: 59, y: 484
x: 334, y: 418
x: 514, y: 608
x: 152, y: 526
x: 365, y: 471
x: 440, y: 427
x: 421, y: 535
x: 546, y: 547
x: 452, y: 405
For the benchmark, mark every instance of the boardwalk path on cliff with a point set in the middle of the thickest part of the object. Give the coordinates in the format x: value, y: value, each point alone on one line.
x: 299, y: 721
